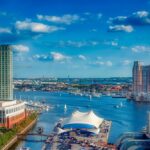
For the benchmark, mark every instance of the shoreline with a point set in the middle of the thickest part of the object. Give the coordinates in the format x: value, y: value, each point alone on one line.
x: 15, y: 139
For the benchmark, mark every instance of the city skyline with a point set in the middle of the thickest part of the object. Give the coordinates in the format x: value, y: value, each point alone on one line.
x: 76, y: 38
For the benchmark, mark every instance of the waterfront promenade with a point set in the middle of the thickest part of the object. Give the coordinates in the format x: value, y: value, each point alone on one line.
x: 31, y: 121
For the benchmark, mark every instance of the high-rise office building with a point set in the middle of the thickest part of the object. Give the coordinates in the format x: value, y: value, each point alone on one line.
x: 141, y: 78
x: 11, y: 111
x: 6, y: 89
x: 137, y: 77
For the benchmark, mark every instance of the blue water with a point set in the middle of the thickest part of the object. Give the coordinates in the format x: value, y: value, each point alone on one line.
x: 131, y: 117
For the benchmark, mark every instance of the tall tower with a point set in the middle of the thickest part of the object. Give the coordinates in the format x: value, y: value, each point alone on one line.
x: 146, y: 79
x: 137, y: 77
x: 6, y: 81
x: 148, y: 123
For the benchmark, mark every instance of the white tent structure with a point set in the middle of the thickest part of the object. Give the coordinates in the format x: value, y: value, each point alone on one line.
x: 60, y: 131
x: 83, y: 120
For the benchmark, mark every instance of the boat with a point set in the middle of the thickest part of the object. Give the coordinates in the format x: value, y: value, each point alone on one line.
x: 119, y: 106
x: 118, y: 96
x: 90, y: 96
x: 96, y: 95
x: 65, y: 107
x: 116, y: 106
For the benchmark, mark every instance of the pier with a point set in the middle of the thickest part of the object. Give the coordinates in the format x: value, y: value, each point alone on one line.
x: 75, y: 136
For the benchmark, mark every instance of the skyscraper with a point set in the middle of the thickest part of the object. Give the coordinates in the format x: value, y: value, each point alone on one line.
x: 141, y: 78
x: 6, y: 89
x: 137, y: 77
x: 11, y: 111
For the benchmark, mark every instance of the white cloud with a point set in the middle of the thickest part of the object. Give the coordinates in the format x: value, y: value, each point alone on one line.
x: 94, y: 30
x: 5, y: 30
x: 36, y: 27
x: 141, y: 14
x: 78, y: 44
x: 82, y: 57
x: 138, y: 48
x: 87, y: 13
x: 109, y: 63
x: 94, y: 43
x: 59, y: 57
x: 21, y: 48
x: 112, y: 43
x: 99, y: 16
x: 135, y: 19
x: 103, y: 63
x: 99, y: 58
x: 116, y: 28
x: 126, y: 62
x: 99, y: 63
x: 65, y: 19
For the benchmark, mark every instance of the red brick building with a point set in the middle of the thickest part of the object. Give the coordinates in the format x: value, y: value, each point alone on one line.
x: 11, y: 113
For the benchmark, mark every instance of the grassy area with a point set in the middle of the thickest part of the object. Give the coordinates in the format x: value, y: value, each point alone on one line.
x: 7, y: 134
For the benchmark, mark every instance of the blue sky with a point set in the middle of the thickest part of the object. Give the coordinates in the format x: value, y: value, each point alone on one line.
x: 80, y: 38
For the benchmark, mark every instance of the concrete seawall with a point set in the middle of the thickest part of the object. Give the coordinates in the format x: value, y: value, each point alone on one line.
x: 15, y: 138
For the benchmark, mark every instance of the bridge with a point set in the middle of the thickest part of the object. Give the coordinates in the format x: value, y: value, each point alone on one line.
x: 24, y: 137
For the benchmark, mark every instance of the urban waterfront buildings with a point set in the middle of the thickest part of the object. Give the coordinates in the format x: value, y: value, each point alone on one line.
x: 6, y: 92
x: 141, y: 81
x: 11, y: 111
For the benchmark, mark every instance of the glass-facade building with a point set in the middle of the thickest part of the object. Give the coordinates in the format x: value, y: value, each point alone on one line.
x: 141, y: 78
x: 6, y: 83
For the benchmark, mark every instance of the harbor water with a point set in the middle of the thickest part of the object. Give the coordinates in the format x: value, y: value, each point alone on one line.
x: 130, y: 116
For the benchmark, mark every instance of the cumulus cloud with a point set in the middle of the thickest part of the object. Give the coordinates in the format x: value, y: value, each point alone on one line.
x: 117, y: 28
x: 21, y: 48
x: 28, y: 25
x: 82, y: 57
x: 140, y: 48
x: 43, y: 58
x: 5, y: 30
x: 78, y: 44
x: 53, y: 56
x: 59, y: 57
x: 135, y: 19
x: 65, y: 19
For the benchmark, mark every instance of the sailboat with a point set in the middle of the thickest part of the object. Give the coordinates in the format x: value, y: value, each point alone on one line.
x: 90, y: 96
x: 119, y: 106
x: 65, y: 107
